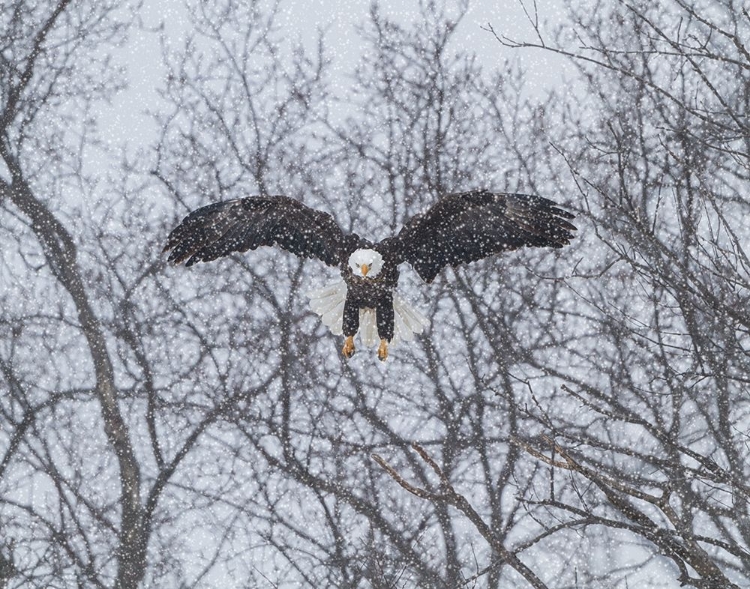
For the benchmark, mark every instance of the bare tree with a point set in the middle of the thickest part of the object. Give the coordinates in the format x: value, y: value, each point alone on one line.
x: 568, y: 420
x: 41, y: 46
x: 655, y: 453
x: 423, y: 121
x: 80, y: 491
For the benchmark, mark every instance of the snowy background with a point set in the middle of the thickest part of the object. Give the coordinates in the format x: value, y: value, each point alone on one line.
x: 572, y: 418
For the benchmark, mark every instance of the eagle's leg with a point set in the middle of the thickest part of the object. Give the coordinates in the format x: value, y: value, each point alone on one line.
x: 350, y: 324
x: 383, y: 350
x: 385, y: 319
x: 348, y: 349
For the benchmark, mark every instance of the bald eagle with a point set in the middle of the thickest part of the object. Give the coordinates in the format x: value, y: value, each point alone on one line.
x: 458, y: 229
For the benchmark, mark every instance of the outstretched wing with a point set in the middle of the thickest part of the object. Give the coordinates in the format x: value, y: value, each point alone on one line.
x: 243, y: 224
x: 465, y: 227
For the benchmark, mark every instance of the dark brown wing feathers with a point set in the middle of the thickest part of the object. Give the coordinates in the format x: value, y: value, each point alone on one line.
x: 466, y: 227
x: 460, y: 228
x: 243, y: 224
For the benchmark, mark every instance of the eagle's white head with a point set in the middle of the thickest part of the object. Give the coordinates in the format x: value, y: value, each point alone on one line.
x: 366, y: 262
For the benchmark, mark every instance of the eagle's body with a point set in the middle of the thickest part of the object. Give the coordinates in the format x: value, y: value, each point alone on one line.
x: 460, y: 228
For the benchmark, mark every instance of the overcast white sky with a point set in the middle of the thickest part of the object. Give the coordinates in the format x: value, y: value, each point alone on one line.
x: 125, y: 119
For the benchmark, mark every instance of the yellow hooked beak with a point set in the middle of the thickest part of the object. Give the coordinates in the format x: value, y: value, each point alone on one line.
x: 365, y: 269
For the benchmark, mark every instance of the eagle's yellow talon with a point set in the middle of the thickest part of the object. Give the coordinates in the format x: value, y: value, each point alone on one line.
x: 383, y: 350
x: 348, y: 349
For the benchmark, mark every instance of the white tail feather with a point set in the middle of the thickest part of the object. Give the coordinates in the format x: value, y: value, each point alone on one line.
x: 408, y: 321
x: 328, y: 302
x: 368, y: 330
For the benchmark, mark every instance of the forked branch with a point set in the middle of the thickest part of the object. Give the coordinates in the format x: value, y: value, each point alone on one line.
x: 447, y: 494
